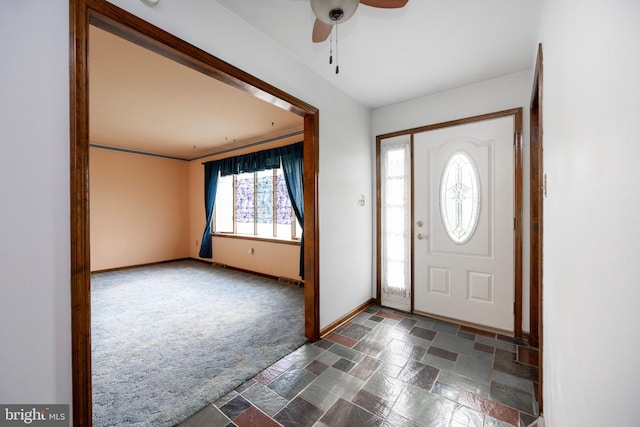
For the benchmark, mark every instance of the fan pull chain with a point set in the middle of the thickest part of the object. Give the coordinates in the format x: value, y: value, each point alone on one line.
x: 337, y: 65
x: 331, y: 48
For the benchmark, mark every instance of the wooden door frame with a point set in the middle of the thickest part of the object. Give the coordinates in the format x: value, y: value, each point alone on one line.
x: 536, y: 217
x: 82, y: 14
x: 517, y: 203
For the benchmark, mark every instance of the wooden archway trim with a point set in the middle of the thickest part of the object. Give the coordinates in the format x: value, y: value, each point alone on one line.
x: 82, y: 14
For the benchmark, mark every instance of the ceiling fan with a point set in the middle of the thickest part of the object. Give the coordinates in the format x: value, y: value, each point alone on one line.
x: 331, y: 12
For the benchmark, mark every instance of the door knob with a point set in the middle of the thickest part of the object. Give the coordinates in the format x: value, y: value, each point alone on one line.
x: 420, y: 236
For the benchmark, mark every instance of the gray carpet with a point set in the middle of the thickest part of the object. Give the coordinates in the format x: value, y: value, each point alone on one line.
x: 168, y: 339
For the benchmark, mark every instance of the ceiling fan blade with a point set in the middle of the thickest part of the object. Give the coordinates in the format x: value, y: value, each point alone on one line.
x: 320, y: 31
x: 386, y: 4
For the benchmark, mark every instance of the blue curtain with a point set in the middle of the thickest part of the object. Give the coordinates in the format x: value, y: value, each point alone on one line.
x: 252, y: 162
x: 292, y: 167
x: 211, y: 170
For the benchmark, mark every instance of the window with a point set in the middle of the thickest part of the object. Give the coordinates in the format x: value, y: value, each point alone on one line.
x: 255, y: 204
x: 395, y: 212
x: 460, y: 197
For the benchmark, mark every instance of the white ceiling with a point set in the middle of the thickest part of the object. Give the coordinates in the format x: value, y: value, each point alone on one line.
x: 392, y: 55
x: 142, y: 101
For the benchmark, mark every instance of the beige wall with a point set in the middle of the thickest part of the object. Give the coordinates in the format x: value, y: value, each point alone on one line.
x: 148, y: 209
x: 275, y: 259
x: 139, y: 209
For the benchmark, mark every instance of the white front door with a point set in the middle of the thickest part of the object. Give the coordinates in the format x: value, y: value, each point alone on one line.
x: 464, y: 222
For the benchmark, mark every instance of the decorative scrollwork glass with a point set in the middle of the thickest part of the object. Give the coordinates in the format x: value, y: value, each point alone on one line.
x: 460, y: 197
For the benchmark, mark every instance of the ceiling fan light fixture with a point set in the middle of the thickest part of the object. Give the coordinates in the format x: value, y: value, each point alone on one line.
x: 334, y: 11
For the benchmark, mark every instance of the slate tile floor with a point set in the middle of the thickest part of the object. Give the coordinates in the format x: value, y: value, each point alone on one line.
x: 388, y: 368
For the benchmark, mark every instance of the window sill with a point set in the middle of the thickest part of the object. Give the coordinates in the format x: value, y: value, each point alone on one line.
x: 258, y: 238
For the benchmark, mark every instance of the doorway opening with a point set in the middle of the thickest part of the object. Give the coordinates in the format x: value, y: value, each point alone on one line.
x: 108, y: 17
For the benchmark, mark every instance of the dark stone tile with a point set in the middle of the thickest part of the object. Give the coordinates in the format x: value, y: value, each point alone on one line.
x: 488, y: 407
x: 265, y: 399
x: 505, y: 345
x: 505, y: 354
x: 446, y: 327
x: 342, y: 327
x: 384, y: 333
x: 341, y: 339
x: 316, y: 367
x: 462, y: 383
x: 444, y: 354
x: 355, y: 331
x: 253, y: 417
x: 209, y: 416
x: 426, y: 334
x: 406, y: 324
x: 371, y: 310
x: 235, y: 407
x: 292, y: 382
x: 344, y: 365
x: 386, y: 387
x: 365, y: 368
x: 477, y: 331
x: 467, y: 417
x: 346, y: 414
x: 298, y: 413
x: 418, y: 374
x: 406, y: 349
x: 477, y: 369
x: 325, y: 344
x: 368, y: 346
x: 445, y: 390
x: 512, y: 397
x: 388, y: 315
x: 516, y: 369
x: 347, y: 353
x: 303, y: 355
x: 466, y: 335
x: 453, y: 343
x: 247, y: 384
x: 483, y: 347
x: 512, y: 340
x: 526, y: 419
x: 273, y: 371
x: 395, y: 420
x: 372, y: 403
x: 424, y: 408
x: 376, y: 318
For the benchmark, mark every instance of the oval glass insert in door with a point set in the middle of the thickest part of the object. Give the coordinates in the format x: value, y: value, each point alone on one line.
x: 460, y: 197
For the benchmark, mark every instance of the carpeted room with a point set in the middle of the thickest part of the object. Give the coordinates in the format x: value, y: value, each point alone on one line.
x: 163, y: 344
x: 169, y: 338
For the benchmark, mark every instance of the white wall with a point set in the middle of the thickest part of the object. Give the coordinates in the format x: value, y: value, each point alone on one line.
x: 35, y: 355
x: 591, y: 253
x: 511, y: 91
x: 35, y: 323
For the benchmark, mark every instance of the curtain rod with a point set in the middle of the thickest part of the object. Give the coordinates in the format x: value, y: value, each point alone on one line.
x: 252, y: 144
x: 239, y: 148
